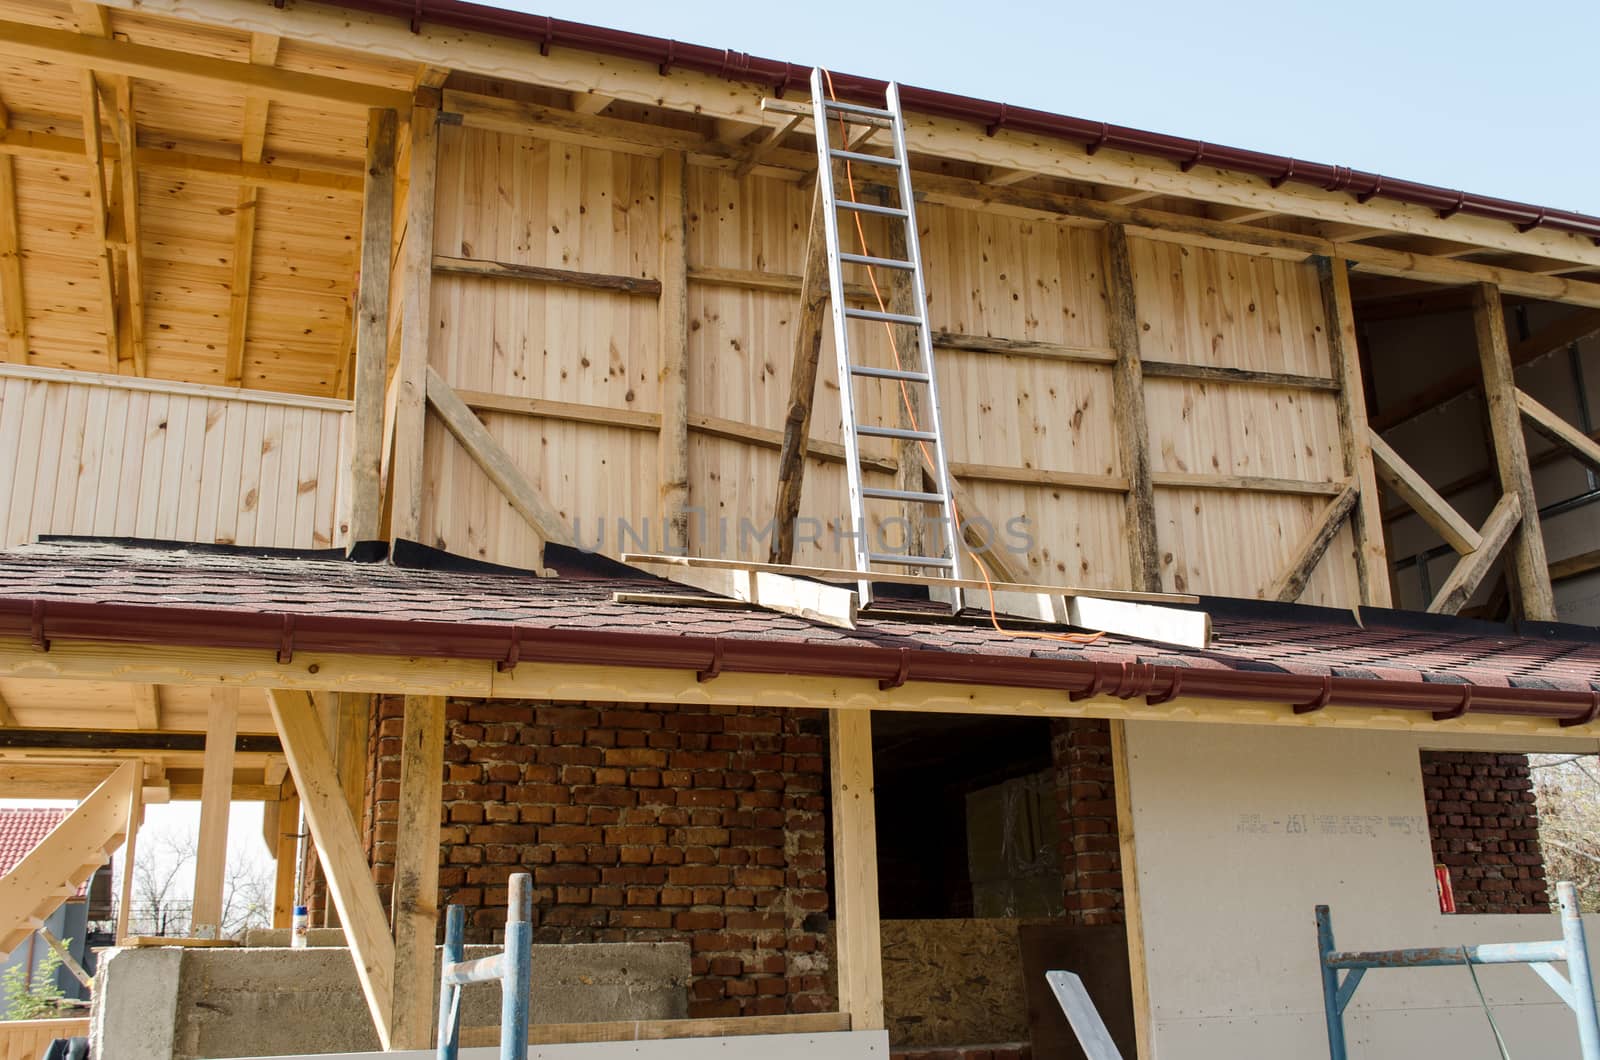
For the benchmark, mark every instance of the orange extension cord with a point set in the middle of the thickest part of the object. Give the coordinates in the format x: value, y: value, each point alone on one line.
x: 905, y: 396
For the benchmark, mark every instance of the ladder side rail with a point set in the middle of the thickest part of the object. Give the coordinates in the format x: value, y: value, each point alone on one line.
x: 841, y: 338
x: 925, y: 342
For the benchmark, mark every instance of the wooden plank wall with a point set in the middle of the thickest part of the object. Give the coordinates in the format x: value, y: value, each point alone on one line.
x: 97, y: 455
x: 1032, y: 430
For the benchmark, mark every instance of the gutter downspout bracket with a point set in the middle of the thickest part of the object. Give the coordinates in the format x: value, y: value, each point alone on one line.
x: 713, y: 671
x: 901, y: 674
x: 1586, y: 717
x: 1318, y: 701
x: 36, y: 621
x: 513, y: 652
x: 1459, y: 710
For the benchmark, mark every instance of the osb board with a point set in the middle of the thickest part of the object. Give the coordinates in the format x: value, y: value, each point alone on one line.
x: 106, y: 461
x: 1210, y: 307
x: 525, y: 201
x: 953, y: 982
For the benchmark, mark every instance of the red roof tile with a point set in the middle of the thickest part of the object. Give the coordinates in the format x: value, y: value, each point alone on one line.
x: 22, y: 828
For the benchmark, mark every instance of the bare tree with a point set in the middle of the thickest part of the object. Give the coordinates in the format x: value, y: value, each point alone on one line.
x: 1568, y: 791
x: 163, y: 878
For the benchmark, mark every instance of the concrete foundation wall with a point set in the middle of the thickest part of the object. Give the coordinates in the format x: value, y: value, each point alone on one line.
x: 1241, y: 831
x: 175, y: 1004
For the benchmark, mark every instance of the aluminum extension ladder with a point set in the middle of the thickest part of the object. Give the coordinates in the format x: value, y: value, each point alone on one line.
x: 833, y: 118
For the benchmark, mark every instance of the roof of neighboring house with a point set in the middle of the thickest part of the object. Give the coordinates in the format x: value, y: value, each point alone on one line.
x: 739, y: 66
x: 21, y: 829
x: 211, y: 596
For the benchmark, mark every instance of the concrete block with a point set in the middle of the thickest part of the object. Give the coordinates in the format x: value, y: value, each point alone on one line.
x: 216, y: 1003
x: 260, y: 938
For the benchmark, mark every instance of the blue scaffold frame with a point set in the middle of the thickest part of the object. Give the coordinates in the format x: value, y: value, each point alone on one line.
x: 1575, y: 988
x: 512, y: 969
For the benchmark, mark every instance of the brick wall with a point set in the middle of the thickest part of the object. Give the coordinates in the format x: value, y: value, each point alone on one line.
x: 639, y: 823
x: 1484, y: 824
x: 1091, y: 860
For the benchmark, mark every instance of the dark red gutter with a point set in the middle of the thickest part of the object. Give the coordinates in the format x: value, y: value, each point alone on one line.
x: 739, y: 66
x: 285, y: 635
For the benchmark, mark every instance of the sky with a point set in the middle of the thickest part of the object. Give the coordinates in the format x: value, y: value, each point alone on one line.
x: 1496, y: 99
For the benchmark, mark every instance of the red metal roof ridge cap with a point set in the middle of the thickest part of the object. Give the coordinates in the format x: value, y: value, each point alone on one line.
x: 41, y: 621
x: 740, y: 66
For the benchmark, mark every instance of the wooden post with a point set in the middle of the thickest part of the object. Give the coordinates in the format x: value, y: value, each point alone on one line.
x: 1529, y: 566
x: 673, y: 444
x: 416, y: 313
x: 286, y: 849
x: 855, y: 864
x: 216, y: 798
x: 1132, y: 912
x: 416, y: 869
x: 802, y: 385
x: 339, y: 849
x: 1133, y: 433
x: 13, y: 305
x: 372, y: 328
x: 1372, y: 563
x: 130, y: 849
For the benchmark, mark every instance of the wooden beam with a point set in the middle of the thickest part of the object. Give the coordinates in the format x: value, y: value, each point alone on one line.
x: 372, y: 329
x: 826, y: 604
x: 354, y: 715
x: 68, y: 961
x: 491, y: 456
x: 1575, y: 566
x: 802, y: 385
x: 1372, y: 565
x: 416, y: 870
x: 1548, y: 288
x: 51, y: 147
x: 22, y: 779
x: 210, y: 870
x: 416, y: 315
x: 191, y: 70
x: 1569, y: 438
x: 1574, y: 327
x: 146, y: 705
x: 1530, y: 567
x: 769, y: 143
x: 13, y: 304
x: 1133, y: 432
x: 286, y: 852
x: 1422, y: 497
x: 130, y: 848
x: 1209, y: 373
x: 1193, y: 480
x: 338, y: 843
x: 672, y: 446
x: 1470, y: 569
x: 1308, y: 552
x: 1132, y: 906
x: 855, y: 862
x: 8, y: 719
x: 105, y: 255
x: 589, y: 102
x: 812, y: 1023
x: 508, y: 270
x: 125, y: 133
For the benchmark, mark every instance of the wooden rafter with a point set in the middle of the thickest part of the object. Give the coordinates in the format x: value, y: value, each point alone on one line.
x: 105, y: 253
x: 53, y: 147
x: 1422, y: 497
x: 252, y: 143
x: 146, y: 705
x: 13, y: 303
x: 802, y: 385
x: 191, y: 69
x: 1569, y: 438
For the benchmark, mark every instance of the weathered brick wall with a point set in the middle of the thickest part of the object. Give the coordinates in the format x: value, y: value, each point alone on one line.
x: 1091, y: 860
x: 639, y: 823
x: 1484, y: 824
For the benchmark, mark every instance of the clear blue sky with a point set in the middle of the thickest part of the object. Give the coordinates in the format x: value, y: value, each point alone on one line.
x: 1496, y: 98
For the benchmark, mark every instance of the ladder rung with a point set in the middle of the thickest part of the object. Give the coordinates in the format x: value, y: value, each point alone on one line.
x: 892, y: 318
x: 858, y: 156
x: 896, y: 432
x: 856, y: 108
x: 882, y: 263
x: 909, y: 561
x: 883, y: 494
x: 868, y: 207
x: 889, y: 373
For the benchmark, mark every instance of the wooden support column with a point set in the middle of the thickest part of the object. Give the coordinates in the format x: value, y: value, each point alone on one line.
x: 416, y: 278
x: 339, y: 848
x: 286, y: 851
x: 130, y: 849
x: 216, y: 797
x: 1528, y: 564
x: 1372, y: 564
x: 416, y: 870
x: 13, y: 306
x: 673, y: 444
x: 1132, y: 910
x: 1133, y: 433
x: 802, y: 385
x: 855, y: 863
x: 372, y: 328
